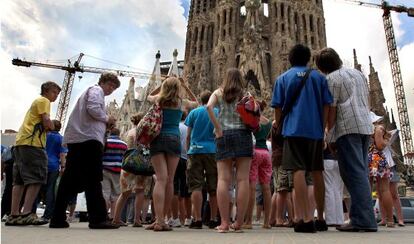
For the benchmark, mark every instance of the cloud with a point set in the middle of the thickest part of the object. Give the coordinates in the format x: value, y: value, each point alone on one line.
x: 124, y: 31
x: 351, y: 26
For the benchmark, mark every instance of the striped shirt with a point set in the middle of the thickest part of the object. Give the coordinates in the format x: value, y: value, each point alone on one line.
x: 112, y: 157
x: 349, y: 89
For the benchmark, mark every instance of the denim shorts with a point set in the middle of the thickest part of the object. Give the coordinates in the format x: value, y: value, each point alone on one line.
x: 166, y: 143
x: 234, y: 144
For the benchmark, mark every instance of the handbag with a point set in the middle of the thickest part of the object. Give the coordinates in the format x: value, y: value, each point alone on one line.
x: 150, y: 125
x: 277, y: 137
x: 137, y: 161
x: 249, y: 111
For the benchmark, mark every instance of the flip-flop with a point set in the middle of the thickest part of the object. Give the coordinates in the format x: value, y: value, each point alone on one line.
x: 220, y: 229
x: 401, y: 225
x: 236, y: 229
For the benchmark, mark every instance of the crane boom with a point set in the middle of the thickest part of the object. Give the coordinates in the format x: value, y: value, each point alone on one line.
x: 70, y: 76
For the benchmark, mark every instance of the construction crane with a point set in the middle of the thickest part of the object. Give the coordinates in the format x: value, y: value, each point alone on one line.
x: 71, y: 70
x: 405, y: 127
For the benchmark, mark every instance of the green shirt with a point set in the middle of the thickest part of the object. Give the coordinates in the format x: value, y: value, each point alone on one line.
x: 262, y: 134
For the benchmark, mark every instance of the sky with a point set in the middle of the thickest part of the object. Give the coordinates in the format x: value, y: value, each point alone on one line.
x: 130, y: 32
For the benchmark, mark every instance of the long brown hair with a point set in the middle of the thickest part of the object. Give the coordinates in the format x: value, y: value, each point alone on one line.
x: 170, y: 93
x: 232, y: 85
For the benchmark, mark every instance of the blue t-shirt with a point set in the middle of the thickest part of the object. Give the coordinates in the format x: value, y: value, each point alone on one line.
x: 202, y: 136
x: 306, y: 116
x: 54, y: 148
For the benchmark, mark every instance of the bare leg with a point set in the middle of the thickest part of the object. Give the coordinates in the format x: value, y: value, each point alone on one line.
x: 120, y: 203
x: 319, y: 192
x: 172, y: 162
x: 281, y: 206
x: 273, y: 208
x: 396, y: 202
x: 160, y: 167
x: 242, y: 173
x: 139, y: 201
x: 197, y: 200
x: 224, y: 173
x: 301, y: 192
x: 17, y: 194
x: 266, y: 203
x: 311, y: 201
x: 250, y: 206
x: 387, y: 199
x: 31, y: 194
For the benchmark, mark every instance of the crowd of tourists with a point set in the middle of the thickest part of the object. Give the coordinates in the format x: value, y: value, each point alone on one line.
x: 311, y: 165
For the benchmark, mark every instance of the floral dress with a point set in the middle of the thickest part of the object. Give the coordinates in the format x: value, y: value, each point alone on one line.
x: 378, y: 165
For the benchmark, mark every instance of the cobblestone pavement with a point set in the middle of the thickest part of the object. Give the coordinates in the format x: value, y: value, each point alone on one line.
x: 79, y: 233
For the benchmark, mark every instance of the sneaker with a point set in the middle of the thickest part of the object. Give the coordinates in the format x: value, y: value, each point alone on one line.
x: 196, y: 225
x: 4, y: 218
x: 187, y: 222
x: 12, y: 220
x: 103, y: 225
x: 174, y: 222
x: 320, y: 225
x: 213, y: 224
x: 308, y: 227
x: 31, y: 219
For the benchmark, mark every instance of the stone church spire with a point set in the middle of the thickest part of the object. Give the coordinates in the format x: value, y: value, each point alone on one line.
x: 252, y: 35
x: 377, y: 98
x: 356, y: 64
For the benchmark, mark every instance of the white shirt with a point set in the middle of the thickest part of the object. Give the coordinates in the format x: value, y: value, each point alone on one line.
x: 88, y: 118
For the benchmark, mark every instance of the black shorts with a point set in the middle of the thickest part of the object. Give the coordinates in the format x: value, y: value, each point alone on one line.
x: 30, y: 165
x: 302, y: 154
x: 165, y: 143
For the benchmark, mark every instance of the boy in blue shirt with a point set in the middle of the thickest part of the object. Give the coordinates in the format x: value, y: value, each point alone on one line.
x: 303, y: 130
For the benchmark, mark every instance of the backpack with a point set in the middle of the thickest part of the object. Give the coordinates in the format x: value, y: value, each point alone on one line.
x: 249, y: 111
x: 150, y: 125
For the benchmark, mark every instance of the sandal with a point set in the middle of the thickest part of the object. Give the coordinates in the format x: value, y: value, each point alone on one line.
x: 221, y: 229
x: 401, y: 224
x: 137, y: 224
x: 247, y: 226
x: 390, y: 225
x: 151, y: 226
x: 120, y: 223
x: 235, y: 228
x: 162, y: 227
x: 266, y: 226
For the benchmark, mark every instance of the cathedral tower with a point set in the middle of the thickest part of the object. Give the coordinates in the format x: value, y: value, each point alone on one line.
x: 252, y: 35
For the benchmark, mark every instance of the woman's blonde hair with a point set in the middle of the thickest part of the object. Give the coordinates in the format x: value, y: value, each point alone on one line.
x: 232, y: 85
x: 170, y: 93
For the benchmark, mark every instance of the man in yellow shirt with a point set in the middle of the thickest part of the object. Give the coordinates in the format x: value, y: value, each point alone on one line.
x: 30, y: 167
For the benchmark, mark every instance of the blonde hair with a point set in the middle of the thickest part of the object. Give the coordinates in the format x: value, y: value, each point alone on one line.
x: 232, y: 85
x: 170, y: 93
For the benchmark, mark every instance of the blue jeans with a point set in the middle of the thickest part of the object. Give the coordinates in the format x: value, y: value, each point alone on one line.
x: 353, y: 166
x: 50, y: 193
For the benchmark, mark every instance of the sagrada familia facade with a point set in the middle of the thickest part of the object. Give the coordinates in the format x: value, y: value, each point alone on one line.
x: 252, y: 35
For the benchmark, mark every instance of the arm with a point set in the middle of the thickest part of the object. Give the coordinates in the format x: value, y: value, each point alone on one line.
x: 379, y: 133
x: 210, y: 109
x: 95, y: 105
x: 62, y: 157
x: 331, y: 117
x: 188, y: 138
x: 278, y: 116
x: 325, y: 115
x: 153, y: 96
x: 47, y: 122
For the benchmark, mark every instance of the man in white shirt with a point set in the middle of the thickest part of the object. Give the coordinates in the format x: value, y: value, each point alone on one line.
x: 84, y: 136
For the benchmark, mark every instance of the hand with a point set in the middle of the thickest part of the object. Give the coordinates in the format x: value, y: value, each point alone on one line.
x: 219, y: 133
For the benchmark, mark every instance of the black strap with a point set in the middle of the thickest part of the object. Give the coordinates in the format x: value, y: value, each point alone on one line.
x: 295, y: 96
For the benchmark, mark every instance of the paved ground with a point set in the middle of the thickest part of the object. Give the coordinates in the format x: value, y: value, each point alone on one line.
x: 79, y: 233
